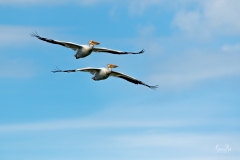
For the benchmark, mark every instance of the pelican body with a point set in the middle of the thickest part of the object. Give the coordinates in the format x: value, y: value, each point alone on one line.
x: 104, y: 73
x: 83, y: 50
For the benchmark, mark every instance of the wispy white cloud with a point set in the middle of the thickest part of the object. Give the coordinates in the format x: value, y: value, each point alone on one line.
x: 14, y: 38
x: 16, y: 68
x: 231, y: 48
x: 139, y: 6
x: 210, y: 18
x: 148, y: 30
x: 127, y: 117
x: 150, y: 117
x: 186, y: 145
x: 148, y: 40
x: 83, y: 124
x: 14, y: 35
x: 201, y: 20
x: 180, y: 140
x: 189, y: 65
x: 138, y: 128
x: 53, y: 2
x: 191, y: 68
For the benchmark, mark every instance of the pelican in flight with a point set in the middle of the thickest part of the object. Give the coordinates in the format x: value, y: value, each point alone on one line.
x: 104, y: 73
x: 83, y: 50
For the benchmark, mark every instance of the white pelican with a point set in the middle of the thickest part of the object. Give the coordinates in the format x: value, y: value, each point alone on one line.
x: 83, y: 50
x: 104, y: 73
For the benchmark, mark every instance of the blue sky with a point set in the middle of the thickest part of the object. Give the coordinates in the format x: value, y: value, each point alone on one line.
x: 192, y: 51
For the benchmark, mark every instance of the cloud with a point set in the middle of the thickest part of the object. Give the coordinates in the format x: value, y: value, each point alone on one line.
x: 127, y: 117
x: 148, y: 30
x: 15, y: 62
x: 184, y: 145
x: 139, y: 6
x: 23, y: 2
x: 192, y: 64
x: 135, y: 130
x: 231, y: 48
x: 131, y: 117
x: 191, y: 68
x: 15, y: 36
x: 82, y: 124
x: 148, y: 39
x: 180, y: 140
x: 209, y: 18
x: 52, y: 2
x: 16, y: 68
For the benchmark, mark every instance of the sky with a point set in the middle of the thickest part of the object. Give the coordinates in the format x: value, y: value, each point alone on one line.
x: 192, y: 52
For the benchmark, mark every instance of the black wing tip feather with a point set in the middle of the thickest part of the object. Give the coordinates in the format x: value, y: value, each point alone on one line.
x: 152, y: 87
x: 138, y: 82
x: 135, y: 52
x: 140, y: 52
x: 34, y: 34
x: 57, y: 70
x: 143, y: 50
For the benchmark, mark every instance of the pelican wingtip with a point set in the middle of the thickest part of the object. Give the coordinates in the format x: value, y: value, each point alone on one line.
x: 154, y: 87
x: 143, y: 50
x: 34, y: 34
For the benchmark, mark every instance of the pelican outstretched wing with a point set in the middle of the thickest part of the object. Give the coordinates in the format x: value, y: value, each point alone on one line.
x: 130, y: 79
x: 59, y: 70
x: 97, y: 49
x: 65, y: 44
x: 87, y: 69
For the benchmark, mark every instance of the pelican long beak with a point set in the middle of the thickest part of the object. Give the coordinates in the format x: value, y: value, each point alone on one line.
x: 94, y: 42
x: 112, y: 66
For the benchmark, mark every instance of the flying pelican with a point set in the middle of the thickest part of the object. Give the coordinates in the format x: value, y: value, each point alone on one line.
x: 104, y: 73
x: 83, y: 50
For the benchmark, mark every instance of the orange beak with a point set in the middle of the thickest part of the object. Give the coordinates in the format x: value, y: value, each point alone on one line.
x: 112, y: 66
x: 94, y: 42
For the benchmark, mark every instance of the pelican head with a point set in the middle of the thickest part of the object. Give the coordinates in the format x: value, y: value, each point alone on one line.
x: 93, y: 42
x: 112, y: 66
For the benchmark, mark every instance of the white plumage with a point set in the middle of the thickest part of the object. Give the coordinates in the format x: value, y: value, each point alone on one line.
x: 104, y: 73
x: 83, y: 50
